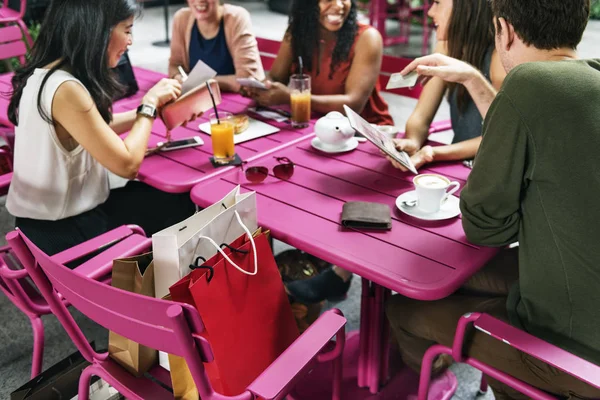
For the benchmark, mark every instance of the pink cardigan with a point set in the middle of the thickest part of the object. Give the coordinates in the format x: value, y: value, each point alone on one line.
x: 238, y: 35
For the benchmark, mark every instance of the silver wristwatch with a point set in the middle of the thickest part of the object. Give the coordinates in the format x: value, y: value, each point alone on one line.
x: 147, y: 110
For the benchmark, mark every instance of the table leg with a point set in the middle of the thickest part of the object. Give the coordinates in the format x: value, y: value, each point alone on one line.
x: 374, y: 337
x: 366, y: 373
x: 385, y: 362
x: 167, y: 41
x: 363, y: 347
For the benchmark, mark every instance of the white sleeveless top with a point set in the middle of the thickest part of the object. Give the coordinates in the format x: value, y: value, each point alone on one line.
x: 49, y: 182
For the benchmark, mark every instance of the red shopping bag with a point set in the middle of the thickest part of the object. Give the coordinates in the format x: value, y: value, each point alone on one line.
x: 248, y: 318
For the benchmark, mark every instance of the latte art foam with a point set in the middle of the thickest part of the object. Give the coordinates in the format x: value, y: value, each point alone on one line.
x: 431, y: 181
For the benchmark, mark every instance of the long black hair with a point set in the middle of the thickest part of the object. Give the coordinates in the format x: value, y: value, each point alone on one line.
x: 470, y: 38
x: 75, y: 33
x: 304, y: 27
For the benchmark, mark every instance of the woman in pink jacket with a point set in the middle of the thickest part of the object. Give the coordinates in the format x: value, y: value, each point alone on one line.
x: 221, y: 36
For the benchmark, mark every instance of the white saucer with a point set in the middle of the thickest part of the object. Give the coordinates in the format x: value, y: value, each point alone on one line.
x: 351, y: 144
x: 449, y: 209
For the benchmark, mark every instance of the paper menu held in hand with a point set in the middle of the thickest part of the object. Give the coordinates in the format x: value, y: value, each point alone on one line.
x: 199, y: 74
x: 383, y: 142
x: 398, y: 81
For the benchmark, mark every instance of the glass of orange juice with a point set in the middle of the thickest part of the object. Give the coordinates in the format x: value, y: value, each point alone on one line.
x: 300, y: 100
x: 221, y: 132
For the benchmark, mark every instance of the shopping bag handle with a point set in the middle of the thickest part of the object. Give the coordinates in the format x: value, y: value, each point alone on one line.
x: 245, y: 228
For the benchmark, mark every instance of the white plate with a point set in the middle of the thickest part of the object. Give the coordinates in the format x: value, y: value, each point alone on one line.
x: 255, y: 130
x: 350, y: 145
x: 449, y: 209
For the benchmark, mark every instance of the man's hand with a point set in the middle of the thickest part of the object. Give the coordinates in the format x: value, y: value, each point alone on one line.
x: 447, y: 68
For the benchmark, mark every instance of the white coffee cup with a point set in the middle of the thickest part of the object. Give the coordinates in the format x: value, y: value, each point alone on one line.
x: 432, y: 191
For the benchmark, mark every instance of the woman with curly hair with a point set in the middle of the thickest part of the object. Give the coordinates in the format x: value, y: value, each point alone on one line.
x: 341, y: 55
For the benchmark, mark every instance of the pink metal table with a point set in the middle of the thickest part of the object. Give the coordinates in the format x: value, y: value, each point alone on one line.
x: 422, y: 260
x: 178, y: 171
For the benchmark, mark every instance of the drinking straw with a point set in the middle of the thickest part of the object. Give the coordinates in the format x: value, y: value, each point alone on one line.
x: 182, y: 72
x: 300, y: 64
x: 212, y: 98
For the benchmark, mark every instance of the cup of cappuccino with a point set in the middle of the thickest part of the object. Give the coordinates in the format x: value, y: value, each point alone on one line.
x: 432, y: 191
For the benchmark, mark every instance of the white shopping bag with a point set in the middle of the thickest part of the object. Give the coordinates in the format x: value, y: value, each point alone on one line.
x: 178, y: 246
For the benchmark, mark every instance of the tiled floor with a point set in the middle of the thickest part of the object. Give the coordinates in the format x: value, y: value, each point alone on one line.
x: 15, y: 332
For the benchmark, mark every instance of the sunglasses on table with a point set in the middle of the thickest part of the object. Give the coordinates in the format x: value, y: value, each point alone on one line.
x: 257, y: 174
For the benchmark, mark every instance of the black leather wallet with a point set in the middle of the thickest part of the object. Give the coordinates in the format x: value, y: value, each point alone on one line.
x: 361, y: 214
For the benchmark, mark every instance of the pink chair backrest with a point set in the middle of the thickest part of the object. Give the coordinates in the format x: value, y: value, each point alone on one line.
x: 164, y: 325
x: 12, y: 43
x: 12, y: 277
x: 390, y: 65
x: 268, y: 50
x: 544, y: 351
x: 22, y: 7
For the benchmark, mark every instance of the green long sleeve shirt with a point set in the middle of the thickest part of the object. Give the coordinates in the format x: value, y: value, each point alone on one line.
x: 536, y: 180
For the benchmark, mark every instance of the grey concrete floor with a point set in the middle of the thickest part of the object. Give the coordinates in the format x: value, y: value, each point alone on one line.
x: 15, y: 331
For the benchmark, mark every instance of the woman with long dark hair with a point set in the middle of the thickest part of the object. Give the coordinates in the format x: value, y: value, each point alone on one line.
x: 465, y: 31
x: 67, y: 139
x: 341, y: 55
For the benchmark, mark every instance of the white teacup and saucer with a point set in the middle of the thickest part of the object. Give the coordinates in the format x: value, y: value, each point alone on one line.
x: 334, y: 134
x: 431, y: 200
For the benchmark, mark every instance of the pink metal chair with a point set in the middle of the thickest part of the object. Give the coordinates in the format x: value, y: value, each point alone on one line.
x: 167, y: 326
x: 16, y: 285
x: 10, y: 16
x: 391, y: 65
x: 268, y: 50
x: 404, y: 12
x: 522, y: 341
x: 5, y: 175
x: 11, y: 46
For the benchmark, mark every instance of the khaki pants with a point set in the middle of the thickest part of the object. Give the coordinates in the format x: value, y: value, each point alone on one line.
x: 417, y: 325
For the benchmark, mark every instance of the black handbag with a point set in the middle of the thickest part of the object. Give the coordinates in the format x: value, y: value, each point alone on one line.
x: 126, y: 77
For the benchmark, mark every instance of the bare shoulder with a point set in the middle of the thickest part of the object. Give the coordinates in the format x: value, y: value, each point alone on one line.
x: 370, y: 37
x: 370, y: 43
x: 72, y: 95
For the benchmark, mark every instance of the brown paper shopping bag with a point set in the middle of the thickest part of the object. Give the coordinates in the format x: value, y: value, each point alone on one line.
x: 184, y: 387
x: 136, y: 275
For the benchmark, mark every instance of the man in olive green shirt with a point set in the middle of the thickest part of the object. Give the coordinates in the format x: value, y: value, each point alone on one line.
x: 535, y: 180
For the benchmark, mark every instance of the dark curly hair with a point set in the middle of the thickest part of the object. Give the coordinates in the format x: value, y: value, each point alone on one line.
x: 76, y: 33
x: 304, y: 29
